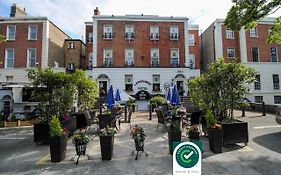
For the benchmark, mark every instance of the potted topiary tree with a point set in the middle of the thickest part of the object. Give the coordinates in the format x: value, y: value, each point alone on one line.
x: 215, y: 134
x: 58, y: 140
x: 107, y: 142
x: 222, y: 89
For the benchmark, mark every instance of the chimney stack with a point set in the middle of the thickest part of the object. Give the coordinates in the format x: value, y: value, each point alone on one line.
x: 96, y: 11
x: 17, y: 11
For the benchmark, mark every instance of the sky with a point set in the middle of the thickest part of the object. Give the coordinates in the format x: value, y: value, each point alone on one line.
x: 70, y: 15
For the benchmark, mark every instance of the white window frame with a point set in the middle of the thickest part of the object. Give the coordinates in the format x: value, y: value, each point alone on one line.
x: 276, y: 52
x: 276, y: 85
x: 253, y: 56
x: 29, y: 32
x: 28, y: 60
x: 107, y: 57
x: 192, y: 61
x: 253, y: 32
x: 129, y: 60
x: 229, y: 34
x: 152, y: 56
x: 90, y: 37
x: 129, y: 83
x: 258, y: 101
x: 107, y: 34
x: 8, y: 32
x: 174, y: 32
x: 154, y: 32
x: 228, y: 52
x: 9, y: 78
x: 275, y: 99
x: 172, y: 57
x: 6, y: 58
x: 129, y: 32
x: 156, y: 82
x: 71, y: 45
x: 191, y: 40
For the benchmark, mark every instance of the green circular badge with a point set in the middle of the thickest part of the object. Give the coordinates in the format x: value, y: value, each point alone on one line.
x: 187, y: 156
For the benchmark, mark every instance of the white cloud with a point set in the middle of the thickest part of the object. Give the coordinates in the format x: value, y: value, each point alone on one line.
x: 70, y: 15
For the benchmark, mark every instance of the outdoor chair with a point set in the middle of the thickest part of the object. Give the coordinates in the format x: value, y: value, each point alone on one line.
x: 161, y: 119
x: 129, y: 118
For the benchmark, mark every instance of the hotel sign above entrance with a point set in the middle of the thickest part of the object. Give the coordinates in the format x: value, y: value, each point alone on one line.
x: 142, y: 81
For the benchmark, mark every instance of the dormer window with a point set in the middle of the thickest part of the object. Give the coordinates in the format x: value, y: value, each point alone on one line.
x: 154, y: 33
x: 129, y: 32
x: 174, y: 33
x: 107, y: 32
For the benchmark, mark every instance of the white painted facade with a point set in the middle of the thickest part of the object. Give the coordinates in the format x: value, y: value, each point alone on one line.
x: 116, y: 77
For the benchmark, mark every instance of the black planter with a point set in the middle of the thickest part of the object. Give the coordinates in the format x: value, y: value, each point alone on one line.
x: 236, y: 132
x: 173, y: 136
x: 70, y: 125
x: 139, y: 145
x: 41, y: 133
x: 106, y: 145
x: 81, y: 149
x: 58, y: 146
x: 106, y: 120
x: 215, y: 136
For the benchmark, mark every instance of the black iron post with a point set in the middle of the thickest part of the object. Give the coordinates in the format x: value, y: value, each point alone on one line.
x: 243, y: 111
x: 150, y: 112
x: 125, y: 112
x: 263, y: 109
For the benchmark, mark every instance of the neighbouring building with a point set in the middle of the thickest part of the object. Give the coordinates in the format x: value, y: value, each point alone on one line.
x: 250, y: 48
x: 74, y: 54
x: 30, y: 42
x: 142, y: 54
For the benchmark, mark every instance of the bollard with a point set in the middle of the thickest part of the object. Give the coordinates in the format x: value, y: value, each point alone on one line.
x: 100, y: 109
x: 150, y: 112
x: 125, y: 112
x: 263, y: 109
x: 243, y: 112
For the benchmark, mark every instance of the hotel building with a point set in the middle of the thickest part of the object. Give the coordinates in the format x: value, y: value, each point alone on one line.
x: 142, y: 54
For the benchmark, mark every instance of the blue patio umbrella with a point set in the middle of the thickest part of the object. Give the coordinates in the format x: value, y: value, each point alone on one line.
x: 168, y: 96
x: 110, y: 98
x: 117, y: 96
x: 175, y: 100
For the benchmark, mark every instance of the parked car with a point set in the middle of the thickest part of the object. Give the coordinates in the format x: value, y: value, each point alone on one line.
x: 278, y: 115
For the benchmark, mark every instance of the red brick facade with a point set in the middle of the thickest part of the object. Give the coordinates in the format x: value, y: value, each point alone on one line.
x: 21, y: 43
x: 261, y: 44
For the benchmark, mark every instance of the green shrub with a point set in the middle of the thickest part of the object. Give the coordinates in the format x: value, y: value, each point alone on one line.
x: 1, y: 117
x: 80, y: 139
x: 55, y: 127
x: 158, y: 100
x: 13, y: 118
x: 211, y: 121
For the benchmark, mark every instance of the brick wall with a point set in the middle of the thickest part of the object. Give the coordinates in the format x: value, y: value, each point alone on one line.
x: 141, y: 44
x: 260, y: 42
x: 56, y: 45
x: 21, y: 44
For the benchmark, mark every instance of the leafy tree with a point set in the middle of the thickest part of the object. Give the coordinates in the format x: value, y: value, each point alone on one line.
x: 221, y: 88
x: 54, y: 91
x: 245, y: 13
x: 57, y: 91
x: 87, y: 91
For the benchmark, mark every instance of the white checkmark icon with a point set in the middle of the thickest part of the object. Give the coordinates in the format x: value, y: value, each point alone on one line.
x: 188, y: 155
